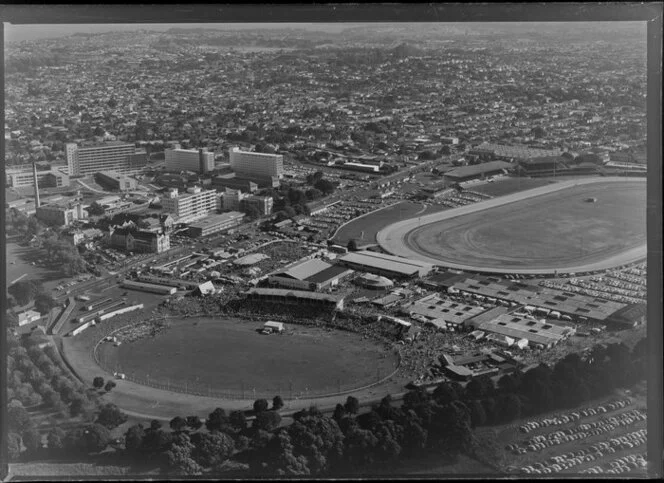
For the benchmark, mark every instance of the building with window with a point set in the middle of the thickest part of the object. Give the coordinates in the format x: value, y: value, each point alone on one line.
x: 263, y: 204
x: 197, y: 160
x: 115, y: 156
x: 61, y: 215
x: 192, y: 205
x: 232, y: 199
x: 20, y: 176
x: 141, y: 241
x: 115, y: 181
x: 314, y: 275
x: 215, y: 224
x: 256, y: 165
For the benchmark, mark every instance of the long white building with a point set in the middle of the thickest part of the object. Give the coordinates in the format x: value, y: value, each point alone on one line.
x: 189, y: 160
x: 119, y: 157
x: 192, y: 205
x: 259, y: 165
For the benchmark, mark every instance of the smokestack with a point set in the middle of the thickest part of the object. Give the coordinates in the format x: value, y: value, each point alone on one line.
x: 34, y: 175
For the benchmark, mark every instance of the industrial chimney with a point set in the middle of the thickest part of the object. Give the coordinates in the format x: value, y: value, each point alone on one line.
x: 34, y: 176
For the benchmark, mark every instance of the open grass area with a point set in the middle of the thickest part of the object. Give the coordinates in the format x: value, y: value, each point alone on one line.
x: 553, y: 230
x: 207, y: 355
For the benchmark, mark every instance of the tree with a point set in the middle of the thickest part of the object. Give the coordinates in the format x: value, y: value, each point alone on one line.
x: 267, y: 420
x: 32, y: 441
x: 90, y: 439
x: 109, y: 385
x: 18, y: 417
x: 216, y: 420
x: 277, y: 403
x: 76, y: 407
x: 313, y: 178
x: 180, y: 456
x: 325, y: 186
x: 211, y: 449
x: 111, y: 417
x: 134, y: 438
x: 95, y: 209
x: 55, y: 440
x: 194, y: 422
x: 178, y: 423
x: 339, y: 413
x: 98, y: 382
x: 13, y: 446
x: 44, y: 303
x: 260, y: 405
x: 445, y: 393
x: 352, y: 245
x: 238, y: 421
x: 352, y: 405
x: 23, y: 291
x: 252, y: 212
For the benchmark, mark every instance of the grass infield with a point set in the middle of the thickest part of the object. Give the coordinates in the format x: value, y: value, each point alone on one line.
x: 555, y: 229
x: 213, y: 354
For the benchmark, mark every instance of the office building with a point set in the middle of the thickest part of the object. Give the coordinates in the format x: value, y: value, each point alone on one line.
x: 215, y: 224
x: 192, y: 205
x: 115, y: 156
x: 197, y: 160
x: 256, y: 165
x: 230, y: 181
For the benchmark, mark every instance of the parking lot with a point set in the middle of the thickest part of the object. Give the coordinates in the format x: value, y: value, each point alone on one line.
x: 605, y: 437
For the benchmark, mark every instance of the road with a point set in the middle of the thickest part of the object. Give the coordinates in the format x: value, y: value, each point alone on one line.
x: 393, y: 238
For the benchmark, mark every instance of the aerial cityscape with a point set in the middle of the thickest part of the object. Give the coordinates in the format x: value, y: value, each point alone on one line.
x: 328, y: 251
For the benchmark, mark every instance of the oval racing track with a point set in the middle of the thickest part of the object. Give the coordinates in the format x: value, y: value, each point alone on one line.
x: 395, y: 238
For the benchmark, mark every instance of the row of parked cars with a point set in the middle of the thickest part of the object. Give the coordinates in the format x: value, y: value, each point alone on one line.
x: 625, y: 464
x: 579, y: 432
x: 574, y: 416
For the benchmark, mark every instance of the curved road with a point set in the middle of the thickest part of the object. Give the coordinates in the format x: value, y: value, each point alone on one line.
x: 393, y: 238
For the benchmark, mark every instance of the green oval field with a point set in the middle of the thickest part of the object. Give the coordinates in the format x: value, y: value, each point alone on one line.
x: 559, y: 229
x: 228, y: 357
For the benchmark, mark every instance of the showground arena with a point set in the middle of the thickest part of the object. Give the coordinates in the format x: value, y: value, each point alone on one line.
x: 553, y: 229
x: 227, y: 358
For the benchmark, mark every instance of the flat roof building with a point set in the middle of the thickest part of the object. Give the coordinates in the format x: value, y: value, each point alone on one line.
x: 444, y: 314
x: 197, y: 160
x: 465, y: 173
x: 518, y: 328
x: 61, y: 215
x: 215, y: 224
x: 259, y: 165
x: 120, y: 157
x: 115, y: 181
x: 192, y: 205
x: 314, y: 274
x: 386, y: 265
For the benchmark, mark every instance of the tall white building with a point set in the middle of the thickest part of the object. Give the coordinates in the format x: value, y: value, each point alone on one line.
x: 258, y: 165
x: 119, y: 157
x: 192, y: 205
x: 189, y: 160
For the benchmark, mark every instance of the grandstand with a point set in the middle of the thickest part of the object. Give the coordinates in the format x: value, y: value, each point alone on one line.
x: 386, y: 265
x: 477, y: 171
x: 295, y: 297
x: 148, y: 287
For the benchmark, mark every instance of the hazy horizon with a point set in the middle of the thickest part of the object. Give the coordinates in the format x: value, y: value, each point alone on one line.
x: 18, y: 33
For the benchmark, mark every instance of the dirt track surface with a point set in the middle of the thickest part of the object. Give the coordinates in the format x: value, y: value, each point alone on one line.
x: 396, y: 238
